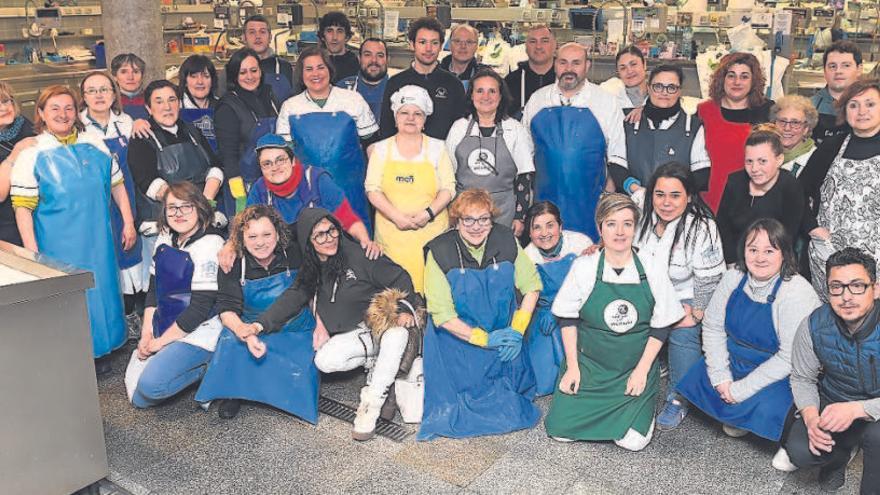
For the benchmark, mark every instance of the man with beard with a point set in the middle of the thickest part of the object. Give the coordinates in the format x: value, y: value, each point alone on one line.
x: 576, y: 129
x: 371, y: 79
x: 842, y: 65
x: 534, y: 73
x: 277, y: 72
x: 447, y: 94
x: 334, y: 30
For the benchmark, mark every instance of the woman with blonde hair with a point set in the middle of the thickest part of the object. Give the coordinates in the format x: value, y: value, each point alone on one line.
x: 615, y: 308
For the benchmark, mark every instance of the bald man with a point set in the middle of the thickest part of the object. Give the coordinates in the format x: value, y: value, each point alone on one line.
x: 578, y: 131
x: 462, y: 59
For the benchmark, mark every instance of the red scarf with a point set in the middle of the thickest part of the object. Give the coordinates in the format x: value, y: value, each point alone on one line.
x: 288, y: 187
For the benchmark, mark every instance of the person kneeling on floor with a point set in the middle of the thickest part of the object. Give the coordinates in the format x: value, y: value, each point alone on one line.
x: 840, y: 409
x: 342, y: 282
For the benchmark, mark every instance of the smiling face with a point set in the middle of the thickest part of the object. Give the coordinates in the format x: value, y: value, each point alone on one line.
x: 670, y: 199
x: 475, y: 224
x: 486, y: 95
x: 374, y: 61
x: 199, y: 84
x: 316, y: 75
x: 249, y: 74
x: 762, y: 164
x: 325, y: 239
x: 181, y: 215
x: 59, y: 115
x: 852, y: 308
x: 261, y: 239
x: 631, y: 70
x: 863, y: 113
x: 763, y: 261
x: 545, y: 231
x: 841, y: 71
x: 410, y: 119
x: 540, y: 46
x: 7, y: 110
x: 665, y: 82
x: 463, y: 45
x: 618, y: 229
x: 256, y: 37
x: 334, y: 39
x: 98, y: 93
x: 129, y: 78
x: 275, y: 164
x: 571, y: 67
x: 738, y: 82
x: 426, y: 47
x: 793, y: 124
x: 164, y: 106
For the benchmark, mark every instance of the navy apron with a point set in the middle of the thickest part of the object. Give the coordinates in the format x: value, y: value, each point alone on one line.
x: 203, y: 120
x: 174, y: 271
x: 118, y: 147
x: 330, y: 141
x: 570, y: 164
x: 136, y: 112
x: 751, y: 340
x: 544, y: 338
x: 469, y: 392
x: 281, y: 88
x: 249, y: 166
x: 286, y: 376
x: 72, y: 225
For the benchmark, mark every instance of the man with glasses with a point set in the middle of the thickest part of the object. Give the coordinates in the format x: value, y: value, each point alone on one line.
x: 842, y: 63
x: 835, y: 377
x: 277, y: 72
x: 462, y: 59
x: 447, y: 94
x: 665, y: 133
x: 537, y: 71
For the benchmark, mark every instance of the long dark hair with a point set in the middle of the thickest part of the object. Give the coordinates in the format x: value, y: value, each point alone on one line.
x: 696, y: 207
x: 778, y: 238
x: 503, y: 105
x: 195, y: 64
x: 233, y: 66
x: 309, y: 277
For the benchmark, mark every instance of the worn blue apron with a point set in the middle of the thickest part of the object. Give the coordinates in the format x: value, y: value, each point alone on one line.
x: 307, y: 195
x: 469, y: 392
x: 281, y: 88
x: 118, y: 147
x: 544, y: 338
x: 286, y: 376
x: 330, y: 141
x: 174, y: 271
x: 72, y: 225
x: 203, y: 120
x: 751, y: 340
x: 570, y: 164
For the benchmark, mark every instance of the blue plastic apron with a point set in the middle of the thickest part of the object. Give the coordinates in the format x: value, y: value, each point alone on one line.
x: 286, y: 376
x: 330, y: 141
x: 751, y: 340
x: 281, y: 88
x: 570, y: 164
x: 72, y: 225
x: 544, y: 338
x: 249, y: 166
x: 174, y: 271
x: 469, y: 392
x: 307, y: 195
x: 203, y: 120
x: 118, y: 147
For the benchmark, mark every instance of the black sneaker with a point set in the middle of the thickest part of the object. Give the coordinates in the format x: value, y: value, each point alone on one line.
x: 229, y: 408
x: 831, y: 480
x: 103, y: 366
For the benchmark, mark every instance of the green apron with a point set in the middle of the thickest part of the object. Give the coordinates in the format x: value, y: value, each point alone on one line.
x: 612, y: 335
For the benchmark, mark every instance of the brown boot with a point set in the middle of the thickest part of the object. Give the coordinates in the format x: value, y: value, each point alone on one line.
x: 389, y: 408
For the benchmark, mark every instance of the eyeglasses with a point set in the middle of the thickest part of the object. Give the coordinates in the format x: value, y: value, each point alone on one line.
x: 281, y: 160
x: 669, y: 89
x: 103, y: 90
x: 856, y: 288
x: 482, y: 221
x: 6, y: 101
x: 794, y: 125
x: 464, y: 42
x: 179, y: 210
x: 326, y: 235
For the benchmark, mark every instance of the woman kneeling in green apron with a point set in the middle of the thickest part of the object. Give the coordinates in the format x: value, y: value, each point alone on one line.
x: 614, y: 308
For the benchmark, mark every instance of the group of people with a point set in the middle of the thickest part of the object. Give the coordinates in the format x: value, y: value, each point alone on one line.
x: 513, y: 237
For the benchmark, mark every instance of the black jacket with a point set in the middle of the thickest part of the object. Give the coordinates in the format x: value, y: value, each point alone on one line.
x: 234, y: 122
x: 447, y: 94
x: 142, y: 159
x: 534, y: 82
x: 468, y: 73
x: 8, y: 227
x: 345, y: 65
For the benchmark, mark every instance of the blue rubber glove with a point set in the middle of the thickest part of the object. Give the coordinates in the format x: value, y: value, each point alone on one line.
x: 503, y: 336
x: 509, y: 352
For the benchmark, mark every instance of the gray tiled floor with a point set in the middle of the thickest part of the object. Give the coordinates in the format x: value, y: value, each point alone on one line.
x: 179, y: 448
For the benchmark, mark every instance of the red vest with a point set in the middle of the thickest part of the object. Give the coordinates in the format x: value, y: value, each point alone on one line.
x: 725, y: 143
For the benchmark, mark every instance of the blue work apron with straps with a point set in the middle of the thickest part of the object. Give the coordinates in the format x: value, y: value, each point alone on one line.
x: 281, y: 87
x: 174, y: 270
x: 203, y: 120
x: 544, y: 338
x: 118, y: 147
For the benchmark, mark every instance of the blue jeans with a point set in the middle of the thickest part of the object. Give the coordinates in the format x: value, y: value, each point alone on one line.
x: 685, y: 350
x: 177, y: 366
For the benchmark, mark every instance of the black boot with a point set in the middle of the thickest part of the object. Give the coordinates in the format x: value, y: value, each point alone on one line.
x: 103, y: 366
x: 229, y: 408
x: 389, y: 408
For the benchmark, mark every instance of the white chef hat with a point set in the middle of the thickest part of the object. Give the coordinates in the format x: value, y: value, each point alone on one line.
x: 412, y: 95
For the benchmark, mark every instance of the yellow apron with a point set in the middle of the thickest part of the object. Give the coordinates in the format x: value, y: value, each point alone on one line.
x: 410, y: 186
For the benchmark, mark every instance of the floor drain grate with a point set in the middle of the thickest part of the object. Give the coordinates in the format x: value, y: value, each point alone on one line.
x: 346, y: 413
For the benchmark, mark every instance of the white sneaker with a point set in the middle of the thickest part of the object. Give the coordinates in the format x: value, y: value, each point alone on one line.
x: 367, y: 415
x: 781, y: 462
x: 563, y: 439
x: 733, y: 431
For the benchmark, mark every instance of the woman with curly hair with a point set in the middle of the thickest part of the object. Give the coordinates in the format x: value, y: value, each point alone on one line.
x: 277, y: 368
x: 737, y: 101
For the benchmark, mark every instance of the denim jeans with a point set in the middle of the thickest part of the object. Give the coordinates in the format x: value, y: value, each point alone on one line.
x: 685, y: 350
x: 177, y: 366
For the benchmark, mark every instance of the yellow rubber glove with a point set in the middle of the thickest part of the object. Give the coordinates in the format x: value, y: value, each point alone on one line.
x: 520, y: 321
x: 479, y: 337
x: 236, y: 187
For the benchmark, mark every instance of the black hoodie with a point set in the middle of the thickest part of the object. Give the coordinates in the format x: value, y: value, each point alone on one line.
x: 341, y: 301
x: 534, y: 82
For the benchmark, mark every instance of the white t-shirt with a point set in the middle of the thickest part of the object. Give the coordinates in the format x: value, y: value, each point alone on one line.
x: 581, y: 279
x: 572, y: 243
x: 340, y: 100
x: 515, y: 136
x: 606, y: 110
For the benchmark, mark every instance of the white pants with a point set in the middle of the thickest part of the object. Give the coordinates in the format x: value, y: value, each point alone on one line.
x: 634, y: 440
x: 349, y: 350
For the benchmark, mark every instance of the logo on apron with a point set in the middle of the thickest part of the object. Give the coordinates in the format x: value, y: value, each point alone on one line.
x: 482, y: 162
x: 621, y: 316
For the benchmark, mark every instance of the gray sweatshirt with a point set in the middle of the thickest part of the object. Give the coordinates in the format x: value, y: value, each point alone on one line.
x: 805, y: 367
x: 795, y: 301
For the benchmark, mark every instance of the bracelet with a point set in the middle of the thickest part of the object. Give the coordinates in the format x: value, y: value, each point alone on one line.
x: 629, y: 182
x: 431, y: 215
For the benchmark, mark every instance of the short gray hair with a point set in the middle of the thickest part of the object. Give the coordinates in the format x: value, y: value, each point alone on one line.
x: 796, y: 102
